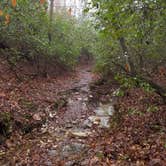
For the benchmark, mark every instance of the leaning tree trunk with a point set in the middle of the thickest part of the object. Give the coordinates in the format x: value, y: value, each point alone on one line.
x: 158, y: 89
x: 161, y: 91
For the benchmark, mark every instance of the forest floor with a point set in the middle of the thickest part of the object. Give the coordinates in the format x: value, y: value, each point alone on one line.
x: 74, y: 119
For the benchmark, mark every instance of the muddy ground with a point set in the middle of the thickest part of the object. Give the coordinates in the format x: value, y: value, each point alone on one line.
x: 74, y: 119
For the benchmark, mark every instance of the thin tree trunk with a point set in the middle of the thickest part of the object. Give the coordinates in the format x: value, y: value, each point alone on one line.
x: 51, y: 19
x: 126, y: 52
x: 49, y: 36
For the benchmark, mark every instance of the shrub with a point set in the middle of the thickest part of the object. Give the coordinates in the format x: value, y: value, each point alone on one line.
x: 29, y: 35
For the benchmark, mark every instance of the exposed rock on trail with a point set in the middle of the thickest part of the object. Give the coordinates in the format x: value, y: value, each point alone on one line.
x: 71, y: 121
x: 66, y: 121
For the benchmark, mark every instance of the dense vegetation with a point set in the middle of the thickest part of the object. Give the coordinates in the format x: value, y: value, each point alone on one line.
x: 27, y: 33
x: 127, y: 32
x: 133, y: 33
x: 56, y: 108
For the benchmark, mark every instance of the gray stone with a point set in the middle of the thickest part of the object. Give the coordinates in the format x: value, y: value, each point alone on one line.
x: 48, y: 163
x: 95, y: 119
x: 87, y: 123
x: 52, y: 153
x: 85, y: 162
x: 37, y: 117
x: 105, y: 110
x: 110, y: 110
x: 72, y: 149
x: 100, y: 112
x: 79, y: 98
x: 86, y: 99
x: 69, y: 163
x: 80, y: 133
x: 68, y: 126
x: 102, y: 121
x: 74, y: 122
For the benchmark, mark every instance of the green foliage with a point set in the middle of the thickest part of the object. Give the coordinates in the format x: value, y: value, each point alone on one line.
x: 146, y: 86
x: 142, y: 26
x: 119, y: 92
x: 27, y: 105
x: 133, y: 111
x: 165, y: 145
x: 130, y: 82
x: 103, y: 52
x: 5, y: 123
x: 27, y: 31
x: 152, y: 109
x: 30, y: 35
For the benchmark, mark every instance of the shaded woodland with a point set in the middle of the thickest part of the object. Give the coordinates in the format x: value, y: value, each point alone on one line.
x: 85, y: 89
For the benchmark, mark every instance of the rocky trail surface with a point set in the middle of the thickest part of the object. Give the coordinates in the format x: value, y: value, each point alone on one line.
x: 72, y: 121
x: 76, y: 119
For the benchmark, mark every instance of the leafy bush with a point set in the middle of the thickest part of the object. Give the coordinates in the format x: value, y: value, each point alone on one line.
x: 29, y: 34
x: 130, y: 32
x: 130, y: 82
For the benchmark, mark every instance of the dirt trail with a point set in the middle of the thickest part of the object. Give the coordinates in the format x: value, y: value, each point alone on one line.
x: 70, y: 126
x: 77, y: 98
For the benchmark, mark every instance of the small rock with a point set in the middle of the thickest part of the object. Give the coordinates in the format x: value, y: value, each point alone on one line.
x: 94, y: 119
x: 72, y: 149
x: 110, y: 110
x: 103, y: 121
x: 79, y: 98
x: 9, y: 143
x: 48, y: 163
x: 84, y: 106
x: 87, y: 123
x: 74, y: 122
x: 37, y: 117
x: 85, y: 162
x: 68, y: 126
x: 86, y: 99
x: 100, y: 112
x: 69, y: 163
x: 51, y: 115
x: 42, y: 144
x: 66, y: 151
x: 70, y: 101
x: 47, y: 109
x: 85, y: 89
x: 67, y: 121
x: 105, y: 110
x: 52, y: 153
x: 83, y: 116
x: 81, y: 134
x: 49, y: 141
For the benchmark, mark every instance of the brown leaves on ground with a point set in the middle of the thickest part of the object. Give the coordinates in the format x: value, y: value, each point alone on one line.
x: 137, y: 135
x: 139, y: 138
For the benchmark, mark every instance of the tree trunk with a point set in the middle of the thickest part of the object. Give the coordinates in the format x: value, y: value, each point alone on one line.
x: 51, y: 19
x: 158, y: 89
x: 126, y: 52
